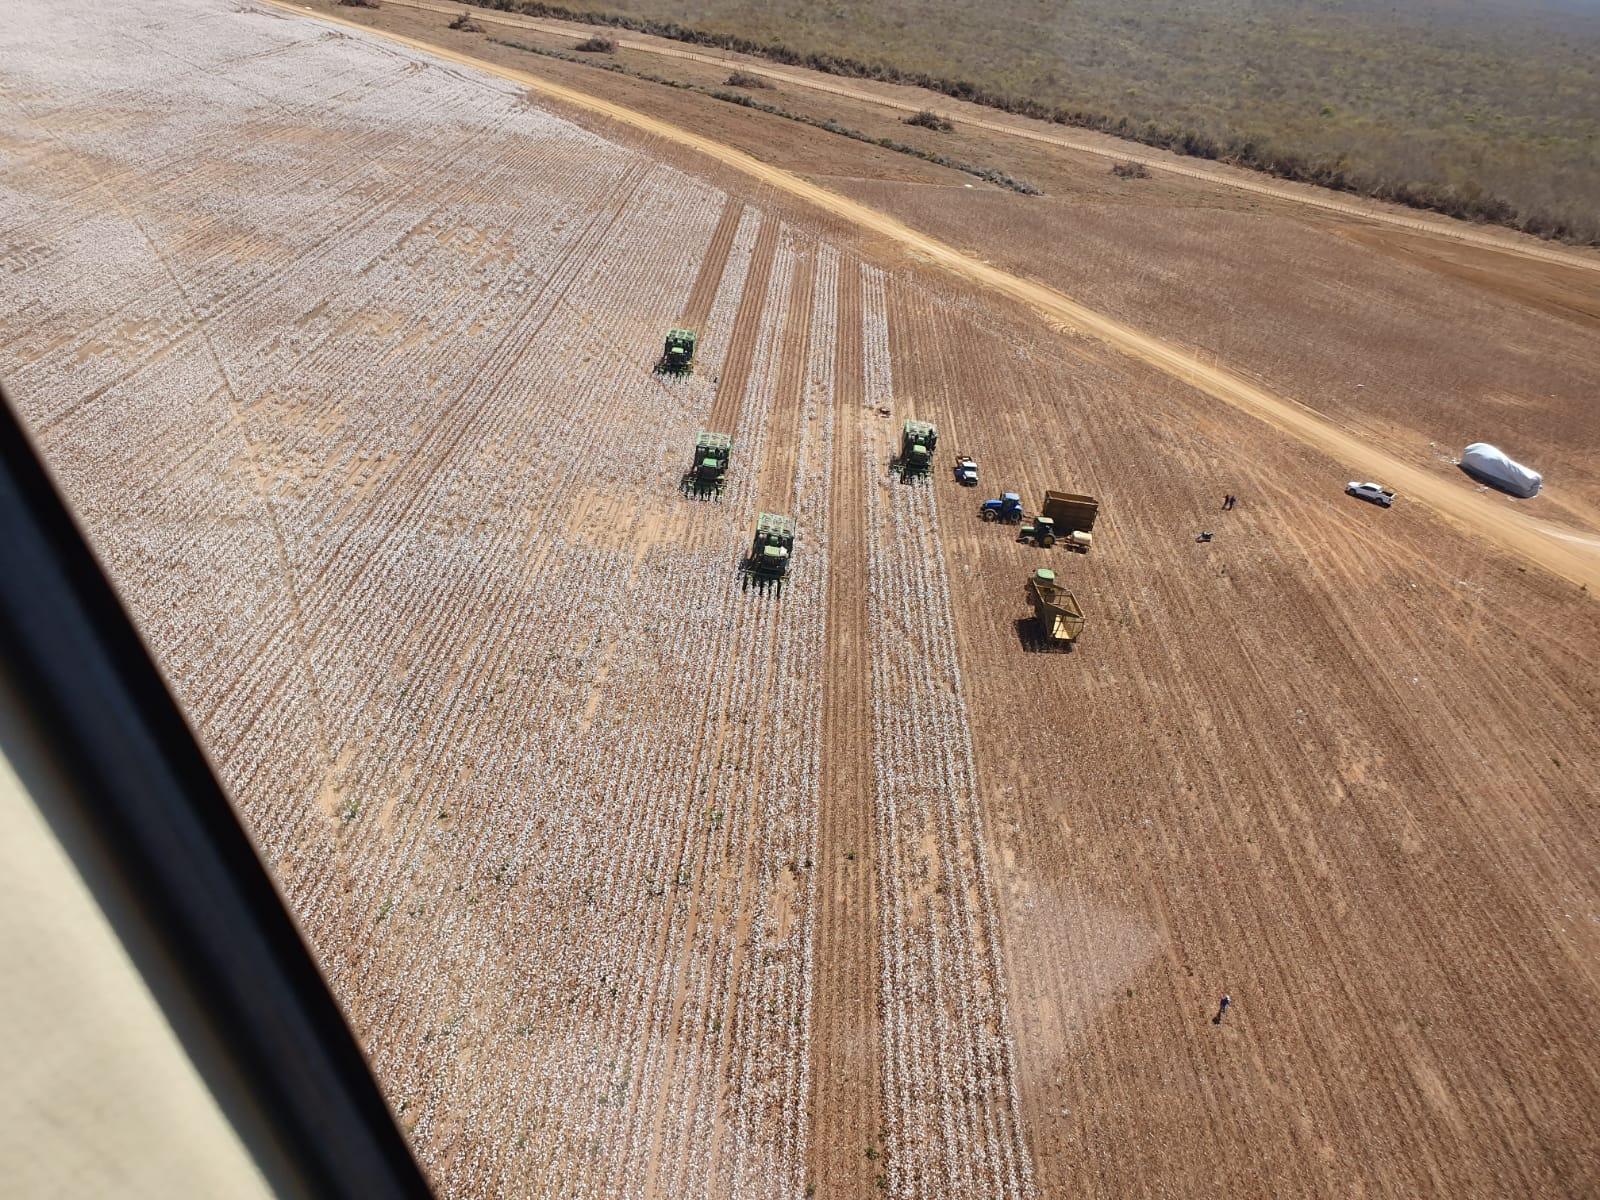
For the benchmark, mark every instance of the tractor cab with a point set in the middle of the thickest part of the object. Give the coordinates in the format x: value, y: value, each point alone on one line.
x: 1007, y: 509
x: 677, y: 355
x: 1041, y: 531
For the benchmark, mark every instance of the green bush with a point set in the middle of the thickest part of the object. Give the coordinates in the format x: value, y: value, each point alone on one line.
x: 928, y: 119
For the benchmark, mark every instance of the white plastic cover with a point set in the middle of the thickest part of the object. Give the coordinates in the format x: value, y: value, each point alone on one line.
x: 1495, y: 466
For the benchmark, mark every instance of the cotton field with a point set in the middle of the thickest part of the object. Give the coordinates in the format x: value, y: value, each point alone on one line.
x: 343, y: 357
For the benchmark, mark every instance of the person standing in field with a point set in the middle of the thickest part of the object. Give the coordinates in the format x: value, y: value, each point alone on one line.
x: 1222, y: 1008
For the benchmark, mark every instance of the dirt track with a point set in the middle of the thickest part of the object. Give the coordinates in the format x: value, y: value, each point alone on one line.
x: 637, y: 884
x: 1033, y: 131
x: 1540, y: 542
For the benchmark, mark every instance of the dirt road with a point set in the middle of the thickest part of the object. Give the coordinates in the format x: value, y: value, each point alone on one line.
x: 1121, y: 152
x: 1541, y: 543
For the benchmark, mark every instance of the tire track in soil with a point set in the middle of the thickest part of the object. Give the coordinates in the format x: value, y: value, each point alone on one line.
x: 982, y: 1140
x: 775, y: 490
x: 846, y: 1088
x: 435, y: 447
x: 934, y: 362
x: 721, y: 887
x: 293, y: 587
x: 746, y: 332
x: 648, y: 1120
x: 697, y: 308
x: 450, y: 424
x: 238, y: 299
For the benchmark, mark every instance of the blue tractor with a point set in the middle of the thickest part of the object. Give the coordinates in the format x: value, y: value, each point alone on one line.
x: 1007, y: 510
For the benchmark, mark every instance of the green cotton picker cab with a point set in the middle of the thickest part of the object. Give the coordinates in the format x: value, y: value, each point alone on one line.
x: 917, y: 440
x: 710, y: 466
x: 769, y: 553
x: 677, y: 356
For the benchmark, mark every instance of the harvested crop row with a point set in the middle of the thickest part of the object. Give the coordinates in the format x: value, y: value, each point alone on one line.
x: 954, y: 1126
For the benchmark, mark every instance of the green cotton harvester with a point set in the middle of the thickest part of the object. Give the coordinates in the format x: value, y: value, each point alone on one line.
x: 677, y: 356
x: 917, y: 440
x: 710, y: 467
x: 769, y: 553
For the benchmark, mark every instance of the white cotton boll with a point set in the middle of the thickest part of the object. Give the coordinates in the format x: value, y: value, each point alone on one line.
x: 369, y: 524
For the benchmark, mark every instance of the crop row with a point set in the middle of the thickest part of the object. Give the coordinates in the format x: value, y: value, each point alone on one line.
x: 949, y: 1073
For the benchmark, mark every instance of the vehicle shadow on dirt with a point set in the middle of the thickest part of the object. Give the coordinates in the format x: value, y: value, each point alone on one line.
x: 1033, y: 640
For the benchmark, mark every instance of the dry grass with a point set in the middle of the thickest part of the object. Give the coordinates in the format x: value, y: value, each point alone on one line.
x: 1344, y: 95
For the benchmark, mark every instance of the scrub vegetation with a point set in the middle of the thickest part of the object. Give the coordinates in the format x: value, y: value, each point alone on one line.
x: 1490, y: 112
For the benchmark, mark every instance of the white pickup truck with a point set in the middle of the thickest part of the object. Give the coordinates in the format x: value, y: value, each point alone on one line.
x: 1371, y: 492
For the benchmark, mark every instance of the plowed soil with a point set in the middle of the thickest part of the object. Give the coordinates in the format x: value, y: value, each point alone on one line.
x: 636, y: 881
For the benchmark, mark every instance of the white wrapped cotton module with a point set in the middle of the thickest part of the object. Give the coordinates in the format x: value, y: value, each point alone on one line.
x: 1500, y: 470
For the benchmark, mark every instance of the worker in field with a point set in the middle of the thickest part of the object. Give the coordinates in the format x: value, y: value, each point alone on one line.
x: 1222, y: 1009
x: 1229, y: 501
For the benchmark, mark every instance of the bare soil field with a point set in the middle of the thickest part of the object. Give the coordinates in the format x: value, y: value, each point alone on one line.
x: 635, y: 883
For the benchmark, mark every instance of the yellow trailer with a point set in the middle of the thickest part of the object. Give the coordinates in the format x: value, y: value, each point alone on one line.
x: 1054, y: 608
